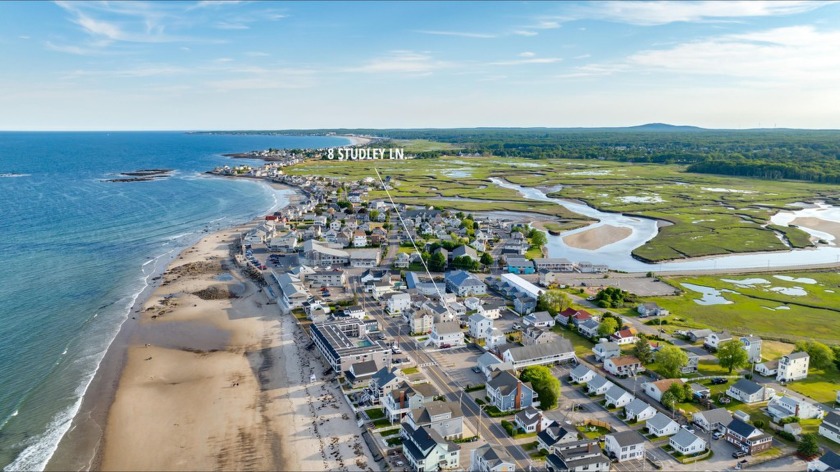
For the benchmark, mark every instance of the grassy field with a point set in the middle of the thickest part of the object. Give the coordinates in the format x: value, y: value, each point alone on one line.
x: 756, y: 309
x: 709, y: 214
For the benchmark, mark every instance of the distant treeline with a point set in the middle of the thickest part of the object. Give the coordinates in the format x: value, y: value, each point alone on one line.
x: 811, y: 155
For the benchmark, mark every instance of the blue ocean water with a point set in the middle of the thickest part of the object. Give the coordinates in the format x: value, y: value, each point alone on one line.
x: 77, y: 251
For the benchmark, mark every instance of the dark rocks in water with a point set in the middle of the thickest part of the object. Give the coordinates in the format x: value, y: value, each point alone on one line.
x: 142, y: 175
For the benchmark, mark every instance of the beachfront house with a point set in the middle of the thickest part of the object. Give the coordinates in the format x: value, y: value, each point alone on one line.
x: 405, y: 398
x: 446, y: 418
x: 579, y: 456
x: 446, y: 334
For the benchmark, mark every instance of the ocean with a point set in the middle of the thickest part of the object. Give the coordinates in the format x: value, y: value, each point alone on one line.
x: 78, y: 251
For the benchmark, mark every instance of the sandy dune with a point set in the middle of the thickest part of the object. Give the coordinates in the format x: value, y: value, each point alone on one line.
x: 597, y: 237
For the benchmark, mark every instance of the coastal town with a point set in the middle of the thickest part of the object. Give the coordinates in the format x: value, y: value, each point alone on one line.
x: 456, y: 343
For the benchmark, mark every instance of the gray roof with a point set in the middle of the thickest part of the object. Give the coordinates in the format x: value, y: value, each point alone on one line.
x: 383, y: 376
x: 424, y: 414
x: 831, y: 459
x: 716, y: 416
x: 743, y: 429
x: 580, y: 370
x: 684, y: 438
x: 447, y: 327
x: 660, y: 421
x: 364, y: 368
x: 477, y: 317
x: 747, y: 386
x: 540, y: 316
x: 524, y: 353
x: 607, y: 346
x: 797, y: 355
x: 462, y: 278
x: 598, y: 381
x: 627, y: 438
x: 832, y: 422
x: 590, y: 323
x: 636, y: 406
x: 487, y: 359
x: 503, y: 381
x: 493, y: 457
x: 615, y: 392
x: 421, y: 441
x: 529, y: 415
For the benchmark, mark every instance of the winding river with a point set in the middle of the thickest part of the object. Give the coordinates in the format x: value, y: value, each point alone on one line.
x: 618, y: 255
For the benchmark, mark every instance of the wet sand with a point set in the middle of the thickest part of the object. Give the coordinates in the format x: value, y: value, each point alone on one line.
x: 819, y: 224
x: 597, y: 237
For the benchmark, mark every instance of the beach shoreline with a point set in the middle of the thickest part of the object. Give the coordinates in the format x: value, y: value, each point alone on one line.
x: 194, y: 383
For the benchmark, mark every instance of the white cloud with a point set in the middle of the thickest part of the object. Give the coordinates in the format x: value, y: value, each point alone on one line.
x: 527, y: 54
x: 796, y: 54
x: 401, y: 61
x: 228, y: 25
x: 530, y: 60
x: 460, y: 34
x: 525, y: 33
x: 664, y: 12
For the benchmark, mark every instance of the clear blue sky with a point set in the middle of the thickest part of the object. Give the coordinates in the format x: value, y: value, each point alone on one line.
x: 260, y: 65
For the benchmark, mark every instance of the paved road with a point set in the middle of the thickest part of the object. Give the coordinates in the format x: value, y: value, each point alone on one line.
x: 487, y: 428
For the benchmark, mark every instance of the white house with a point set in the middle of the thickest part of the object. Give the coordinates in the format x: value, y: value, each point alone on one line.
x: 661, y: 425
x: 793, y: 367
x: 712, y: 420
x: 625, y: 446
x: 638, y: 410
x: 606, y: 350
x: 624, y: 336
x: 581, y: 374
x: 421, y: 322
x: 785, y: 407
x: 752, y: 344
x: 598, y: 385
x: 767, y: 369
x: 687, y: 443
x: 623, y: 366
x: 359, y: 238
x: 479, y: 326
x: 830, y: 427
x: 488, y: 459
x: 827, y: 462
x: 617, y: 397
x: 446, y: 334
x: 531, y: 420
x: 398, y: 303
x: 656, y: 389
x: 427, y: 451
x: 539, y: 319
x: 714, y: 340
x: 748, y: 391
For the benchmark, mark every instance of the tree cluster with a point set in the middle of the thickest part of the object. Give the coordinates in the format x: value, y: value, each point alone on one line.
x: 544, y: 383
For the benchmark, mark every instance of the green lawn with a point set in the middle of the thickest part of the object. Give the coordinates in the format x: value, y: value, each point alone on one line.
x: 821, y: 385
x: 410, y: 370
x: 755, y: 310
x: 375, y: 413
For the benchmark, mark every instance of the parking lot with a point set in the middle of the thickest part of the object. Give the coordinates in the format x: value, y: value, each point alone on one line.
x: 458, y: 363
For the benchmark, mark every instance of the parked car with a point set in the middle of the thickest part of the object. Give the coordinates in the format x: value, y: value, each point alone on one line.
x: 687, y: 428
x: 719, y: 381
x: 476, y: 369
x: 444, y: 346
x: 717, y: 435
x: 739, y: 454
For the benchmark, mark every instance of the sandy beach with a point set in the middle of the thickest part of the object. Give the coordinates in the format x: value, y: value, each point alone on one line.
x: 215, y: 378
x: 356, y: 140
x: 819, y: 224
x: 597, y: 237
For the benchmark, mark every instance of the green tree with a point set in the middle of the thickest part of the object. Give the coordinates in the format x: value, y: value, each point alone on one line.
x: 731, y: 355
x: 676, y: 389
x: 544, y: 383
x: 373, y: 215
x: 538, y: 238
x: 821, y: 355
x: 669, y: 400
x: 808, y: 445
x: 670, y: 360
x: 487, y: 259
x: 553, y: 301
x: 607, y: 327
x: 642, y: 350
x: 437, y: 263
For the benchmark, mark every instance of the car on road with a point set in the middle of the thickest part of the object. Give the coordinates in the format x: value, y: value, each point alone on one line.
x: 687, y: 428
x: 717, y: 435
x: 739, y: 454
x: 517, y: 326
x: 719, y: 381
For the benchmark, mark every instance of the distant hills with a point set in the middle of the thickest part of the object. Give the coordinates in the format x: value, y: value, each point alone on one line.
x: 663, y: 127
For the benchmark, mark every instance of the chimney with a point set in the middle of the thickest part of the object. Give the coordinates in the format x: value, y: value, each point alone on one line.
x: 517, y: 400
x: 539, y: 423
x: 402, y: 399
